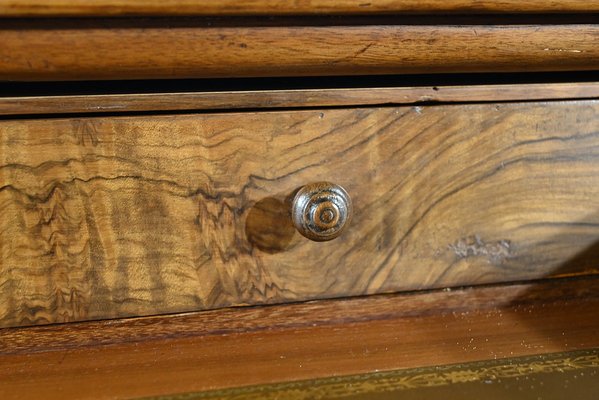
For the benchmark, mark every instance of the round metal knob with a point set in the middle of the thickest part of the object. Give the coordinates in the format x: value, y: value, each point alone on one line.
x: 321, y: 211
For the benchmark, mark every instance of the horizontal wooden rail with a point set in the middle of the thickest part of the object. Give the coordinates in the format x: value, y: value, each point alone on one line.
x: 292, y: 98
x: 278, y: 7
x: 95, y: 50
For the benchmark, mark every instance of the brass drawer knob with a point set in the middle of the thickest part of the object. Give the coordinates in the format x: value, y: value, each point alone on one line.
x: 321, y: 211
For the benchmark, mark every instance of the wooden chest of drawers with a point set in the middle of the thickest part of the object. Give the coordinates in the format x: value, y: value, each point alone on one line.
x: 146, y: 213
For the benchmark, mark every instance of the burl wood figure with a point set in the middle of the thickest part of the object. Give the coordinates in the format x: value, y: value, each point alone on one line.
x: 138, y: 215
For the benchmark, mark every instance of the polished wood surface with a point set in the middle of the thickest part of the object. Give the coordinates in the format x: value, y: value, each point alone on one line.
x: 277, y: 7
x: 543, y: 376
x: 126, y: 49
x: 125, y: 216
x: 287, y: 98
x: 246, y: 346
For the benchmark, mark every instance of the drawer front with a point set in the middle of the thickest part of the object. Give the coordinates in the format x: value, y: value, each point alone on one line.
x: 124, y: 216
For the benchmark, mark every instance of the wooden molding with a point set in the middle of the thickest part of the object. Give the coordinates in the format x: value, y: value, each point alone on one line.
x: 37, y: 8
x: 96, y: 50
x: 293, y: 98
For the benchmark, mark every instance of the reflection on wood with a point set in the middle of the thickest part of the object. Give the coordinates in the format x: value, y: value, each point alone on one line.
x: 125, y: 216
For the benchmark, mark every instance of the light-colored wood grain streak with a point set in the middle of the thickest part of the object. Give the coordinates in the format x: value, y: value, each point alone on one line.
x: 278, y: 7
x: 237, y: 347
x: 253, y: 99
x: 125, y: 216
x: 88, y: 51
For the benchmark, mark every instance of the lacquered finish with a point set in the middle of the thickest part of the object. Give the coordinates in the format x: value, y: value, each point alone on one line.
x: 129, y: 49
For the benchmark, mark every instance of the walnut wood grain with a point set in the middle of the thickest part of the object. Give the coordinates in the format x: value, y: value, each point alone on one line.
x: 235, y: 347
x: 87, y: 51
x: 125, y: 216
x: 23, y: 8
x: 254, y: 99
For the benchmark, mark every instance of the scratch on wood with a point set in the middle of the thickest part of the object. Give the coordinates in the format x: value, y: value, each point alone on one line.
x: 474, y: 246
x: 363, y: 50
